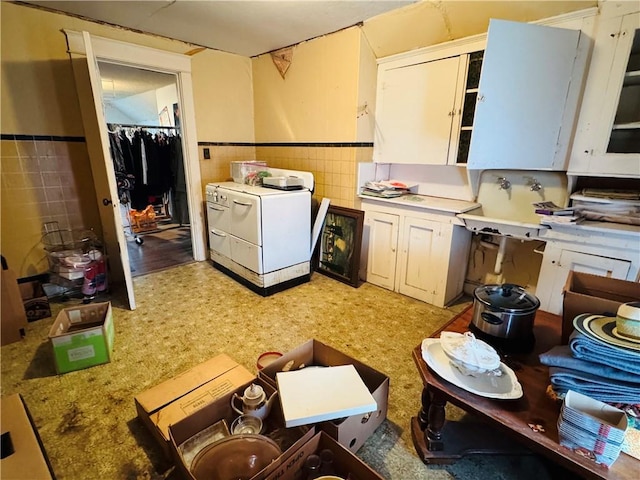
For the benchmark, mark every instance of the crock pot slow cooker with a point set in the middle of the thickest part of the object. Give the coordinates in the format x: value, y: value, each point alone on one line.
x: 505, y: 313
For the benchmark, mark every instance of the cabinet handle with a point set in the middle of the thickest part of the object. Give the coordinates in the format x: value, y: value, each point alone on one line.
x: 218, y: 234
x: 216, y: 209
x: 242, y: 203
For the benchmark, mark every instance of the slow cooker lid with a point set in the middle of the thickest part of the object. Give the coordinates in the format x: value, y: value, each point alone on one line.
x: 507, y: 297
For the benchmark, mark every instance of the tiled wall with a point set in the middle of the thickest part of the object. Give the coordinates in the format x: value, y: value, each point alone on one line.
x: 218, y: 167
x: 334, y: 166
x: 47, y: 179
x: 44, y: 179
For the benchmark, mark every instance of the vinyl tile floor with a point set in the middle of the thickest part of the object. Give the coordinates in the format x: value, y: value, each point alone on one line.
x: 188, y: 314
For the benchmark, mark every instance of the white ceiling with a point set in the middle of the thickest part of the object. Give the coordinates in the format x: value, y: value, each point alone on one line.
x: 243, y: 27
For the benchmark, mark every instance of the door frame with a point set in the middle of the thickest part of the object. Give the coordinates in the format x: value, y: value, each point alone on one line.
x: 138, y: 56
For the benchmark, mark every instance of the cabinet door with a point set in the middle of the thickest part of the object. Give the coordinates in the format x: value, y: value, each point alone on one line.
x: 416, y: 108
x: 416, y: 277
x: 524, y: 85
x: 554, y: 273
x: 608, y: 135
x: 383, y: 242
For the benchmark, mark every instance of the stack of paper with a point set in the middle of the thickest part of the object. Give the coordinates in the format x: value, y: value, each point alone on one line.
x: 385, y: 188
x: 550, y: 213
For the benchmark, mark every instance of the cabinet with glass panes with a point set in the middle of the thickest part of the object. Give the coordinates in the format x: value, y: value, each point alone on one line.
x: 469, y: 105
x: 607, y: 141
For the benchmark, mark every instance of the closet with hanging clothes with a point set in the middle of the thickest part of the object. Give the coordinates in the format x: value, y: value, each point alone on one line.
x: 147, y: 154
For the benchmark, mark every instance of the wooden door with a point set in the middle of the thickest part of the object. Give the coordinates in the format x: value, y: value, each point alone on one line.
x: 527, y: 72
x: 89, y: 87
x: 383, y: 243
x: 416, y: 276
x: 416, y: 112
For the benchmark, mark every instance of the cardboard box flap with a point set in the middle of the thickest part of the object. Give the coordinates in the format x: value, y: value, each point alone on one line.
x: 345, y: 463
x: 170, y: 390
x: 317, y: 394
x: 28, y: 459
x: 314, y: 352
x: 79, y: 318
x: 602, y: 287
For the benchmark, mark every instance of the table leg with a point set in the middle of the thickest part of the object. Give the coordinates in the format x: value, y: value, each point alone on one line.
x: 434, y: 413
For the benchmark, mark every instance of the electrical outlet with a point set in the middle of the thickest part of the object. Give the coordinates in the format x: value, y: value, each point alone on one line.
x: 207, y: 153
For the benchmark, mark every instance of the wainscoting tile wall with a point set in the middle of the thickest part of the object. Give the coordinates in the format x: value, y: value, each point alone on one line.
x: 333, y: 166
x: 44, y: 179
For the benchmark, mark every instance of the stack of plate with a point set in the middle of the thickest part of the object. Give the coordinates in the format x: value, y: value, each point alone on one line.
x: 592, y: 428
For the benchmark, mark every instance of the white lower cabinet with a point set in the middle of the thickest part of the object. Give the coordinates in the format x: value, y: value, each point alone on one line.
x: 416, y: 254
x: 613, y: 256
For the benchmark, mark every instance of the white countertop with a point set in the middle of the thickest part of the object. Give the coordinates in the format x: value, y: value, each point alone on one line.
x: 426, y: 202
x: 593, y: 227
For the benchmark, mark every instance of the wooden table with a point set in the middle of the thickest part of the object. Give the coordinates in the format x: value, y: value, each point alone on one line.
x: 440, y: 441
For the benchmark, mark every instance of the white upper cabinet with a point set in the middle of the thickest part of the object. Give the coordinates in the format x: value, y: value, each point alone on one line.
x: 527, y: 99
x: 420, y: 105
x: 607, y: 141
x: 416, y: 111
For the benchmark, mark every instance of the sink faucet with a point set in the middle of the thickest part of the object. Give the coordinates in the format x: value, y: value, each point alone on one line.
x: 534, y: 184
x: 504, y: 183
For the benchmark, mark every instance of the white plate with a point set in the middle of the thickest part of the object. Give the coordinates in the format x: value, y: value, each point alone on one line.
x: 505, y: 387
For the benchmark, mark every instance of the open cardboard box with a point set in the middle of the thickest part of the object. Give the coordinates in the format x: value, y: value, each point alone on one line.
x: 23, y: 455
x: 82, y: 336
x: 187, y: 439
x: 351, y: 431
x: 174, y: 399
x: 587, y: 293
x: 345, y: 463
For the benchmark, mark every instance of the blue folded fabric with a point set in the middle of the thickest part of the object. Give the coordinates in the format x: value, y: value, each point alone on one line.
x: 585, y: 348
x: 561, y: 356
x: 594, y: 386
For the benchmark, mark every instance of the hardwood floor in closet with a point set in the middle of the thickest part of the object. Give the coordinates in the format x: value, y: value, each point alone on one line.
x: 166, y: 248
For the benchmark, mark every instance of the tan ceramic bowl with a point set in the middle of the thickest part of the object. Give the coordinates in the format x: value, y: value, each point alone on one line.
x: 233, y: 457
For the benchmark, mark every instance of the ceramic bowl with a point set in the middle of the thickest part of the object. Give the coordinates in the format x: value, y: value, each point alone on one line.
x: 470, y: 355
x: 233, y: 457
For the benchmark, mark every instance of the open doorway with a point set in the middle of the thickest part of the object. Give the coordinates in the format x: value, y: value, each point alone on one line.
x: 142, y: 112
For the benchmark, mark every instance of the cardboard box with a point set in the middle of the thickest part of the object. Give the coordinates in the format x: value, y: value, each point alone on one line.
x: 351, y: 431
x: 188, y: 436
x: 587, y: 293
x: 14, y: 318
x: 345, y: 463
x: 169, y: 402
x: 23, y: 455
x: 82, y: 337
x: 36, y: 303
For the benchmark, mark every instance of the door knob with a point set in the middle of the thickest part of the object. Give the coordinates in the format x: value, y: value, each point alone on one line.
x: 106, y: 202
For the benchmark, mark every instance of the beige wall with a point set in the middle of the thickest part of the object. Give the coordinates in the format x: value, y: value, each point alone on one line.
x: 46, y: 177
x: 316, y: 101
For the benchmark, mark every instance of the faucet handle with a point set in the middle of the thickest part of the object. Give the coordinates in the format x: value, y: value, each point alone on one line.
x: 504, y: 183
x: 534, y: 184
